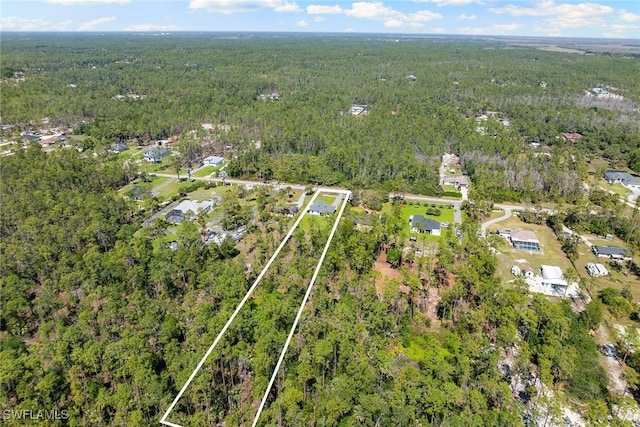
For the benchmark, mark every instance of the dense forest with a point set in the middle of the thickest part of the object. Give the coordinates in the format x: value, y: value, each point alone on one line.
x: 423, y: 95
x: 107, y: 323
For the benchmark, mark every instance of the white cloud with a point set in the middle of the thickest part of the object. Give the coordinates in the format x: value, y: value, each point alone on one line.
x: 315, y: 9
x: 17, y: 23
x: 629, y: 17
x: 450, y: 2
x: 89, y: 25
x: 302, y: 23
x: 151, y: 27
x: 464, y: 17
x: 562, y: 15
x: 550, y: 8
x: 377, y: 11
x: 319, y: 19
x: 232, y: 6
x: 370, y: 10
x: 88, y: 2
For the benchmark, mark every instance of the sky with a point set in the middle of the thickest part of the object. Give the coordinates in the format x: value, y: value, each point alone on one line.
x: 564, y: 18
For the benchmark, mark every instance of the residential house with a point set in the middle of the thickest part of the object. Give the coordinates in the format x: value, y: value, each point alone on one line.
x: 188, y: 210
x: 321, y: 208
x: 289, y: 211
x: 156, y: 154
x: 213, y: 161
x: 420, y: 224
x: 613, y: 252
x: 553, y: 277
x: 458, y: 181
x: 118, y: 147
x: 624, y: 178
x: 49, y: 140
x: 521, y: 239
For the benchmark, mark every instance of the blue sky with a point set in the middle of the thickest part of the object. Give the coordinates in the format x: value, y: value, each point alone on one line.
x: 604, y: 18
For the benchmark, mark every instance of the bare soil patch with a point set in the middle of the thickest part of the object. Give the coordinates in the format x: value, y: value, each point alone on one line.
x: 386, y: 272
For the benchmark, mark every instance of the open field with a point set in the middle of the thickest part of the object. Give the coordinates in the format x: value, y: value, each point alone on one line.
x: 173, y: 188
x: 616, y: 188
x: 446, y: 214
x: 205, y: 171
x: 619, y: 274
x: 551, y: 253
x: 146, y: 185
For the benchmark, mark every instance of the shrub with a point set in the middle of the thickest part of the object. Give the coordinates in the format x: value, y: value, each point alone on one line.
x: 433, y: 211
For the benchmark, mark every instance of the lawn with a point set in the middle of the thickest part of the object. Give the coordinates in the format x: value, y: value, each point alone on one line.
x: 173, y: 188
x: 619, y: 189
x: 155, y: 167
x: 168, y: 169
x: 205, y: 171
x: 207, y: 194
x: 446, y: 214
x: 147, y: 185
x: 551, y: 253
x: 616, y: 279
x: 309, y: 222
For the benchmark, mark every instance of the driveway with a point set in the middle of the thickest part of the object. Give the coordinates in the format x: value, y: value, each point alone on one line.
x: 507, y: 214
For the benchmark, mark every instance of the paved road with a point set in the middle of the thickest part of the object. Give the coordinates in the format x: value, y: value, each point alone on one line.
x: 457, y: 214
x: 507, y: 214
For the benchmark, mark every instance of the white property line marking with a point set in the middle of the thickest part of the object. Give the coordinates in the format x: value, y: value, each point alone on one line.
x: 301, y: 309
x: 163, y: 420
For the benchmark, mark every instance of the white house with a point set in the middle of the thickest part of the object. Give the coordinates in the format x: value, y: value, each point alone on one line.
x: 553, y: 277
x: 213, y: 161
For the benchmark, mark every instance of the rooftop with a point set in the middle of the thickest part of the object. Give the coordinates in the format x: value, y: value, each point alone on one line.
x: 321, y: 207
x: 551, y: 272
x: 426, y: 224
x: 193, y: 206
x: 609, y: 250
x: 524, y: 236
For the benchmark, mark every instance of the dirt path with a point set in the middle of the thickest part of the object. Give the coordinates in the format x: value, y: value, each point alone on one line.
x: 612, y: 367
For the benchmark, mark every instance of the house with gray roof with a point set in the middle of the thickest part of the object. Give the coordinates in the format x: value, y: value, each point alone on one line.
x: 213, y: 161
x: 420, y: 224
x: 118, y: 147
x: 156, y: 154
x: 321, y: 208
x: 624, y: 178
x: 613, y: 252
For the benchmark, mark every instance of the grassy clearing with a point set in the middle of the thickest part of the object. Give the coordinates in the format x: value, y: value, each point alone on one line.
x: 146, y: 185
x: 207, y: 194
x: 446, y: 214
x: 205, y: 171
x: 172, y: 170
x: 619, y: 189
x: 173, y: 188
x: 619, y: 275
x: 551, y: 253
x: 313, y: 222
